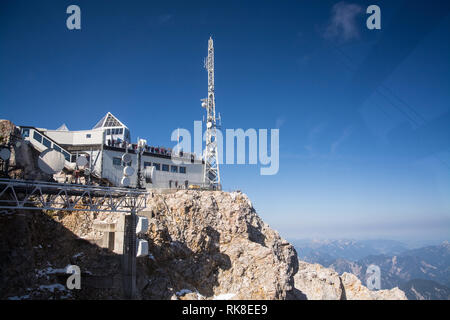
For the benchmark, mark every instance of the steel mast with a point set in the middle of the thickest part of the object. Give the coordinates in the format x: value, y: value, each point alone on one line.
x: 211, y: 176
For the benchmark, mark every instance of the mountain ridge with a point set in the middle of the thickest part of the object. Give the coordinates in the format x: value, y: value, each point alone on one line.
x: 430, y: 263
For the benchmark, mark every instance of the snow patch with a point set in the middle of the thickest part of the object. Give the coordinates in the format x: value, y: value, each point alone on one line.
x: 182, y: 292
x: 53, y: 287
x: 27, y: 296
x: 224, y: 296
x: 50, y: 270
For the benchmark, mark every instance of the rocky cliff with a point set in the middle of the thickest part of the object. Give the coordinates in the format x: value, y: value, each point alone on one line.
x: 213, y: 243
x: 23, y: 160
x: 319, y: 283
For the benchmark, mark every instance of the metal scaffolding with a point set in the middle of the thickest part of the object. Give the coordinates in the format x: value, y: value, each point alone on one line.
x: 38, y: 195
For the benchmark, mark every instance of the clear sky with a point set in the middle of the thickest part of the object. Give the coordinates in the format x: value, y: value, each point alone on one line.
x: 364, y: 115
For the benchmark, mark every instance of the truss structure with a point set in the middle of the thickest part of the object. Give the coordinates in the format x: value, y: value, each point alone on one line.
x: 211, y: 174
x: 37, y: 195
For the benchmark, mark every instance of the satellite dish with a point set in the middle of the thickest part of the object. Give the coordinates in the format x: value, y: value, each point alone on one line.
x: 82, y: 161
x: 125, y: 182
x: 126, y: 158
x: 51, y: 161
x: 87, y: 172
x: 5, y: 154
x: 128, y: 171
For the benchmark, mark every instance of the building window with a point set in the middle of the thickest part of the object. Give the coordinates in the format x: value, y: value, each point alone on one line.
x: 182, y: 169
x: 56, y: 148
x: 117, y: 161
x: 88, y: 135
x: 108, y: 132
x: 25, y: 132
x: 147, y: 164
x: 165, y: 167
x: 47, y: 143
x: 37, y: 137
x: 157, y: 166
x: 174, y: 169
x: 120, y: 130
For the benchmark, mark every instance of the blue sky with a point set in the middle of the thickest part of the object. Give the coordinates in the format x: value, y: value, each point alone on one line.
x: 363, y: 114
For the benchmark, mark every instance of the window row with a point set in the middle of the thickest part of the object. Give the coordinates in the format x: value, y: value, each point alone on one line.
x: 165, y: 167
x: 41, y: 139
x: 114, y: 131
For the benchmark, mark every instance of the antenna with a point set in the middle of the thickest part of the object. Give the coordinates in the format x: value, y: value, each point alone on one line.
x: 82, y: 161
x: 128, y: 171
x: 211, y: 174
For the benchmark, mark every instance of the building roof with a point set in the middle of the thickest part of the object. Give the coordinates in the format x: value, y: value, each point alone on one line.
x: 63, y: 127
x: 109, y: 120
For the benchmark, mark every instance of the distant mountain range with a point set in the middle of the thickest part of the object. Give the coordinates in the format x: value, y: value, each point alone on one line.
x: 423, y: 273
x: 419, y: 289
x: 346, y: 249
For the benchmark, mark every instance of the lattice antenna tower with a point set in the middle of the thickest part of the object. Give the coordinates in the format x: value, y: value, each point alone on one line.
x: 211, y: 176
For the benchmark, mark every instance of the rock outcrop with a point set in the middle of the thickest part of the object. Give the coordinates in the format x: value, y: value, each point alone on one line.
x: 320, y: 283
x: 213, y: 243
x: 22, y: 163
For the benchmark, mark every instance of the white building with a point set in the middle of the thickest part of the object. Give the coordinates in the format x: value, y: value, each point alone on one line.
x: 104, y: 146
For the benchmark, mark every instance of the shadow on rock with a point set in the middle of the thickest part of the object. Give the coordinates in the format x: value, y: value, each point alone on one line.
x: 34, y: 252
x: 174, y: 266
